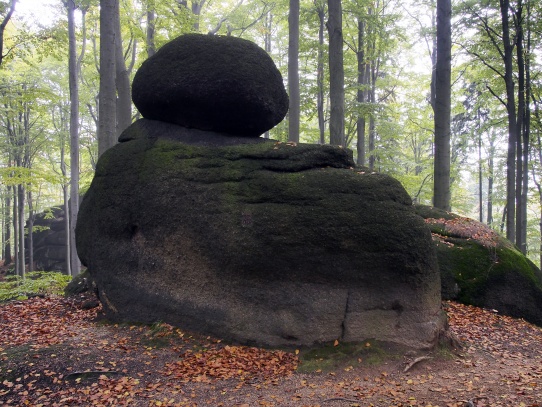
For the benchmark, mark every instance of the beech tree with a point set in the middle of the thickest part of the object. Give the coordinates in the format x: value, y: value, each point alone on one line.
x: 293, y: 71
x: 336, y: 73
x: 107, y: 113
x: 442, y: 106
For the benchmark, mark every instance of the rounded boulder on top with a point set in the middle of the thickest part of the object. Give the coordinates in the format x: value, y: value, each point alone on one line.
x: 213, y: 83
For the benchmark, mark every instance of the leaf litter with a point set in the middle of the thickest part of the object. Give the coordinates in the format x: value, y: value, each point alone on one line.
x: 55, y: 353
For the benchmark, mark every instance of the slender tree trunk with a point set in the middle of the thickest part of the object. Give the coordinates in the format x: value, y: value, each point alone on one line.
x: 372, y: 124
x: 293, y: 71
x: 151, y: 23
x: 7, y: 234
x: 480, y: 178
x: 75, y: 265
x: 267, y: 43
x: 512, y: 129
x: 490, y: 183
x: 336, y: 73
x: 15, y: 230
x: 107, y: 116
x: 361, y: 92
x: 320, y: 74
x: 520, y: 235
x: 30, y: 233
x: 442, y: 106
x: 21, y: 223
x: 65, y: 193
x: 122, y: 80
x: 197, y: 6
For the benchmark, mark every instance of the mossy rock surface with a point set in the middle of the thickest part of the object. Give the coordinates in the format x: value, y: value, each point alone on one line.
x: 257, y: 242
x: 479, y: 267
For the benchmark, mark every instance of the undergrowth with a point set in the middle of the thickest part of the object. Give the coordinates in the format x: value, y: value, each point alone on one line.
x: 34, y: 284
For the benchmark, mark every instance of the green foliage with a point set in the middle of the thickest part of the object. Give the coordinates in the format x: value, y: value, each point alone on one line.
x: 35, y: 283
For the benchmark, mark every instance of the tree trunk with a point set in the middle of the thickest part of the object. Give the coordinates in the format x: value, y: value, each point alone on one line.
x: 7, y: 234
x: 75, y: 266
x: 336, y: 73
x: 21, y: 222
x: 361, y: 92
x: 372, y: 124
x: 520, y: 235
x: 122, y: 81
x: 107, y: 116
x: 30, y: 233
x: 490, y: 183
x: 320, y: 74
x: 480, y: 179
x: 66, y: 210
x: 197, y: 6
x: 151, y: 23
x: 293, y: 71
x: 15, y: 230
x: 442, y: 106
x: 512, y: 130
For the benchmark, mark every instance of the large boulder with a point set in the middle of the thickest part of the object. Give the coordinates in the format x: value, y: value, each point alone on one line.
x: 207, y: 82
x: 481, y: 268
x: 256, y: 241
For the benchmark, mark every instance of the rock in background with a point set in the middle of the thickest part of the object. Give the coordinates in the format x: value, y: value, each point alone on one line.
x: 49, y: 240
x: 479, y: 267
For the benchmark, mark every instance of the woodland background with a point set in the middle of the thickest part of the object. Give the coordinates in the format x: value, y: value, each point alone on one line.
x: 65, y: 96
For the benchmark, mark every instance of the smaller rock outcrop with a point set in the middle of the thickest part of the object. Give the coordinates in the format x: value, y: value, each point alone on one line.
x: 479, y: 267
x: 49, y: 240
x: 214, y: 83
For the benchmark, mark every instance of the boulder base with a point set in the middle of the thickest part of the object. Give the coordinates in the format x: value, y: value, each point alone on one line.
x: 262, y: 243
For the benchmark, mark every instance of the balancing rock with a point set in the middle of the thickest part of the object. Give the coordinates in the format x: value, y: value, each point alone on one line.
x: 215, y: 83
x: 190, y: 222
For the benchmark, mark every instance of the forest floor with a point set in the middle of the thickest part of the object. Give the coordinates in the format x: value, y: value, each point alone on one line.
x: 55, y: 353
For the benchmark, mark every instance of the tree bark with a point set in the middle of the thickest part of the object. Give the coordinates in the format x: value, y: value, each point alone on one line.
x: 293, y: 71
x: 21, y: 222
x: 362, y: 92
x: 512, y: 130
x: 480, y: 179
x: 122, y: 81
x: 75, y: 265
x: 151, y: 22
x: 107, y: 117
x: 30, y: 233
x: 336, y: 73
x: 320, y: 9
x: 7, y: 234
x: 442, y: 106
x: 521, y: 235
x: 490, y: 183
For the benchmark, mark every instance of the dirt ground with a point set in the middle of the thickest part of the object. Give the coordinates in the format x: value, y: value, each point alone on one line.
x: 53, y: 352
